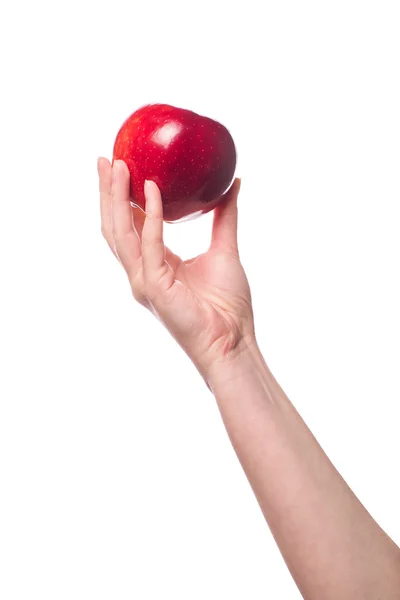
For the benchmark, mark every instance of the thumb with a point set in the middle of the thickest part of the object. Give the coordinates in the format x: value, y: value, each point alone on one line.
x: 224, y: 229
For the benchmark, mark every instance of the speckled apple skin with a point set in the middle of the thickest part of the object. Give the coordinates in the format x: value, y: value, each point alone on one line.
x: 191, y: 158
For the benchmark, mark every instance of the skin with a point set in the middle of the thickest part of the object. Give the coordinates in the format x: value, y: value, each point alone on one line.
x: 332, y: 546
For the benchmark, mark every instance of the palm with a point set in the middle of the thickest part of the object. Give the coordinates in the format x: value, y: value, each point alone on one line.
x: 211, y: 297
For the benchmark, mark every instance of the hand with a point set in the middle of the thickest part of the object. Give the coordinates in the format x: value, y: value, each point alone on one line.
x: 205, y: 302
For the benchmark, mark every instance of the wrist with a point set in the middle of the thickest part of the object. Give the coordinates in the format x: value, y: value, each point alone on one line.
x: 244, y: 361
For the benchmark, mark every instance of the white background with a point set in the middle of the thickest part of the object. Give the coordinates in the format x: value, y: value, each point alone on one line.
x: 117, y: 477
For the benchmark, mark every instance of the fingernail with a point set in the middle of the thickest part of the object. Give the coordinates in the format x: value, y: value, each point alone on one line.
x: 147, y: 185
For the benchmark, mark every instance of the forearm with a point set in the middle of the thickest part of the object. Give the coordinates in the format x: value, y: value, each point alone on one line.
x: 332, y: 546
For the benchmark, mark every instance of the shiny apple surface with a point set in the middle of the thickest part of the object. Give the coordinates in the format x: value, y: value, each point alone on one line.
x: 191, y: 158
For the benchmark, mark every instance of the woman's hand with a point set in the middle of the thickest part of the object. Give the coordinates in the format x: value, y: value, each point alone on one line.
x: 331, y: 544
x: 204, y: 302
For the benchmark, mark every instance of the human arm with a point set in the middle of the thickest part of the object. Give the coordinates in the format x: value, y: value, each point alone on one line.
x: 332, y: 546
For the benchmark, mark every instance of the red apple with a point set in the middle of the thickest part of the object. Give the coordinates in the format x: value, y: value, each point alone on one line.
x: 191, y: 158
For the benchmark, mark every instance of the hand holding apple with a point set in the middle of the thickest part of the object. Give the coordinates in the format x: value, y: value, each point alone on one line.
x: 191, y: 158
x: 204, y: 302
